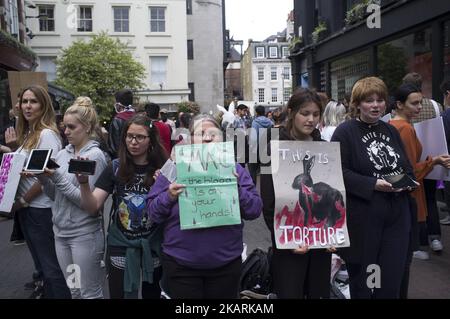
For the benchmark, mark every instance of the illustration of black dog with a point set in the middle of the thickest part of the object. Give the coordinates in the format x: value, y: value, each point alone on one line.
x: 319, y: 199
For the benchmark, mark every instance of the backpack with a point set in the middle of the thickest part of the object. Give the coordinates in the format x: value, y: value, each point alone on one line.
x: 255, y: 274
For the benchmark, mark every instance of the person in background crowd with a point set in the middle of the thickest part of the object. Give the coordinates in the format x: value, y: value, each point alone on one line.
x: 333, y: 115
x: 378, y: 215
x: 201, y: 263
x: 79, y: 236
x: 431, y: 234
x: 299, y: 273
x: 165, y: 119
x: 134, y: 239
x: 36, y: 128
x: 152, y: 110
x: 260, y: 126
x: 125, y: 111
x: 408, y: 105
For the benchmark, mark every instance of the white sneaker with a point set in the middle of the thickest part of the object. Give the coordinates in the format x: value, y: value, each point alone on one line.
x: 420, y: 254
x: 436, y: 245
x: 445, y: 220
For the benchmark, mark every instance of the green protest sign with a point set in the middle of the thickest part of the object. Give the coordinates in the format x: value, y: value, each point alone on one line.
x: 210, y: 198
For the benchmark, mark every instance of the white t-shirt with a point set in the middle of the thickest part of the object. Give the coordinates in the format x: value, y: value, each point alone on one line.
x: 327, y: 132
x: 50, y: 140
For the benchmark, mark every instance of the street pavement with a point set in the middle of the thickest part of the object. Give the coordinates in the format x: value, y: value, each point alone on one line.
x: 429, y: 279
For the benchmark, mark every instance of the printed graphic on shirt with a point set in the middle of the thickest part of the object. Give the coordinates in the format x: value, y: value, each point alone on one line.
x: 382, y: 155
x: 132, y: 214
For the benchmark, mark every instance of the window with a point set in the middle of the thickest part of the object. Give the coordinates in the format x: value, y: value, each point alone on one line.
x: 286, y: 94
x: 158, y: 66
x: 47, y: 22
x: 84, y: 19
x: 14, y: 18
x: 260, y: 52
x: 157, y: 19
x: 273, y: 52
x: 191, y: 86
x: 285, y: 51
x: 261, y: 95
x: 286, y: 73
x: 273, y: 73
x: 121, y: 19
x: 188, y: 6
x: 274, y: 94
x: 190, y: 49
x: 47, y: 64
x: 260, y: 74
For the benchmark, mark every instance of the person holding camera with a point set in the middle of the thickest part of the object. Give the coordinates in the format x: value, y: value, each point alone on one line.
x: 134, y: 240
x: 79, y: 236
x: 36, y: 128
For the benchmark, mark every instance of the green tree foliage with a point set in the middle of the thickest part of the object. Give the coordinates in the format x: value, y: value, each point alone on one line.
x: 98, y: 69
x: 188, y: 107
x: 392, y: 65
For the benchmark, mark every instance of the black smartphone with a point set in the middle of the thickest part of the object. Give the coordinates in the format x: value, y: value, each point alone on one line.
x: 51, y: 164
x: 84, y: 167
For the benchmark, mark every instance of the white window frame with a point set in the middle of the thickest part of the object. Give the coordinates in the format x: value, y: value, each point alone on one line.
x: 260, y: 74
x: 273, y: 52
x: 258, y: 52
x: 261, y: 95
x: 51, y: 76
x: 285, y: 52
x: 44, y: 21
x: 82, y: 18
x: 13, y: 18
x: 274, y: 95
x: 286, y: 94
x: 286, y: 73
x: 273, y: 73
x: 123, y: 21
x: 158, y: 20
x: 158, y: 77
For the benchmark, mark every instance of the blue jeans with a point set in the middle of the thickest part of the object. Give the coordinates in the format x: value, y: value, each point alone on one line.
x: 38, y: 230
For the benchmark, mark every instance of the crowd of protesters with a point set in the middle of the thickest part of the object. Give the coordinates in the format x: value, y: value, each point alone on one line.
x: 60, y: 215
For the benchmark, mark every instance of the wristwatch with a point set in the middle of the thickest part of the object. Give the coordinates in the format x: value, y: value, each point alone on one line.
x: 23, y: 202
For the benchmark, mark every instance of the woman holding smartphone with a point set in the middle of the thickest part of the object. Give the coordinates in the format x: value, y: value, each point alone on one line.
x: 36, y: 128
x: 134, y: 240
x: 78, y: 233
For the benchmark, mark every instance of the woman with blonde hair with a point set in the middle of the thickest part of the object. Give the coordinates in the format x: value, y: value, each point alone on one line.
x: 78, y: 233
x: 333, y: 115
x: 36, y: 128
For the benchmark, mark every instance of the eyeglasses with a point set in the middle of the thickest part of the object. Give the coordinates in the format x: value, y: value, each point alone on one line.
x: 138, y: 138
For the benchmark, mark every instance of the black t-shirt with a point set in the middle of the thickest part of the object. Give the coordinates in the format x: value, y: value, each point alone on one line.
x: 130, y: 213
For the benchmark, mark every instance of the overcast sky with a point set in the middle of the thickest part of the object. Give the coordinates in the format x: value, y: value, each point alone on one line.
x: 256, y: 19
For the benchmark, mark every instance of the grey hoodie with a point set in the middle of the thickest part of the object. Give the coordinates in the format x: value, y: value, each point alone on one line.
x: 69, y: 218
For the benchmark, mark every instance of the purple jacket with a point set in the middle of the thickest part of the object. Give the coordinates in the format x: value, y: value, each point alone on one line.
x: 206, y: 248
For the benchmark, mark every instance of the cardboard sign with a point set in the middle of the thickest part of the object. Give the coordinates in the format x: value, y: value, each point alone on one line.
x: 20, y: 80
x: 310, y: 200
x: 10, y: 168
x: 211, y: 197
x: 431, y: 135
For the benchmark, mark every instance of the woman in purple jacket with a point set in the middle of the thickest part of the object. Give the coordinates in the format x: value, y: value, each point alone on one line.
x: 201, y: 263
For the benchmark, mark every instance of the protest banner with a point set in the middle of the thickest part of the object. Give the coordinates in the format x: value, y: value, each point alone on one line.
x: 10, y: 168
x: 211, y: 196
x: 309, y: 195
x: 431, y: 135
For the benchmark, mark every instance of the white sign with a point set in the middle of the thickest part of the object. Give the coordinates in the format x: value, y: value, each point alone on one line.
x: 12, y: 165
x: 431, y: 135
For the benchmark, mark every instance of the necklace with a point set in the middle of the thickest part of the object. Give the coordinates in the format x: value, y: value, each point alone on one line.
x: 370, y: 125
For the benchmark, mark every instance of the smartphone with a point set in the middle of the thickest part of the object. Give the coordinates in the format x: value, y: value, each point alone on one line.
x: 51, y: 164
x: 38, y: 160
x: 84, y: 167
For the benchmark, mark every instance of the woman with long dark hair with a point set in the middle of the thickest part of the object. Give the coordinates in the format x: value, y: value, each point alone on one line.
x: 133, y: 241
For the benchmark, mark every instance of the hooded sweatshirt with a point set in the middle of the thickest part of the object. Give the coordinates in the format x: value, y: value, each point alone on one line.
x: 69, y: 218
x: 257, y: 124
